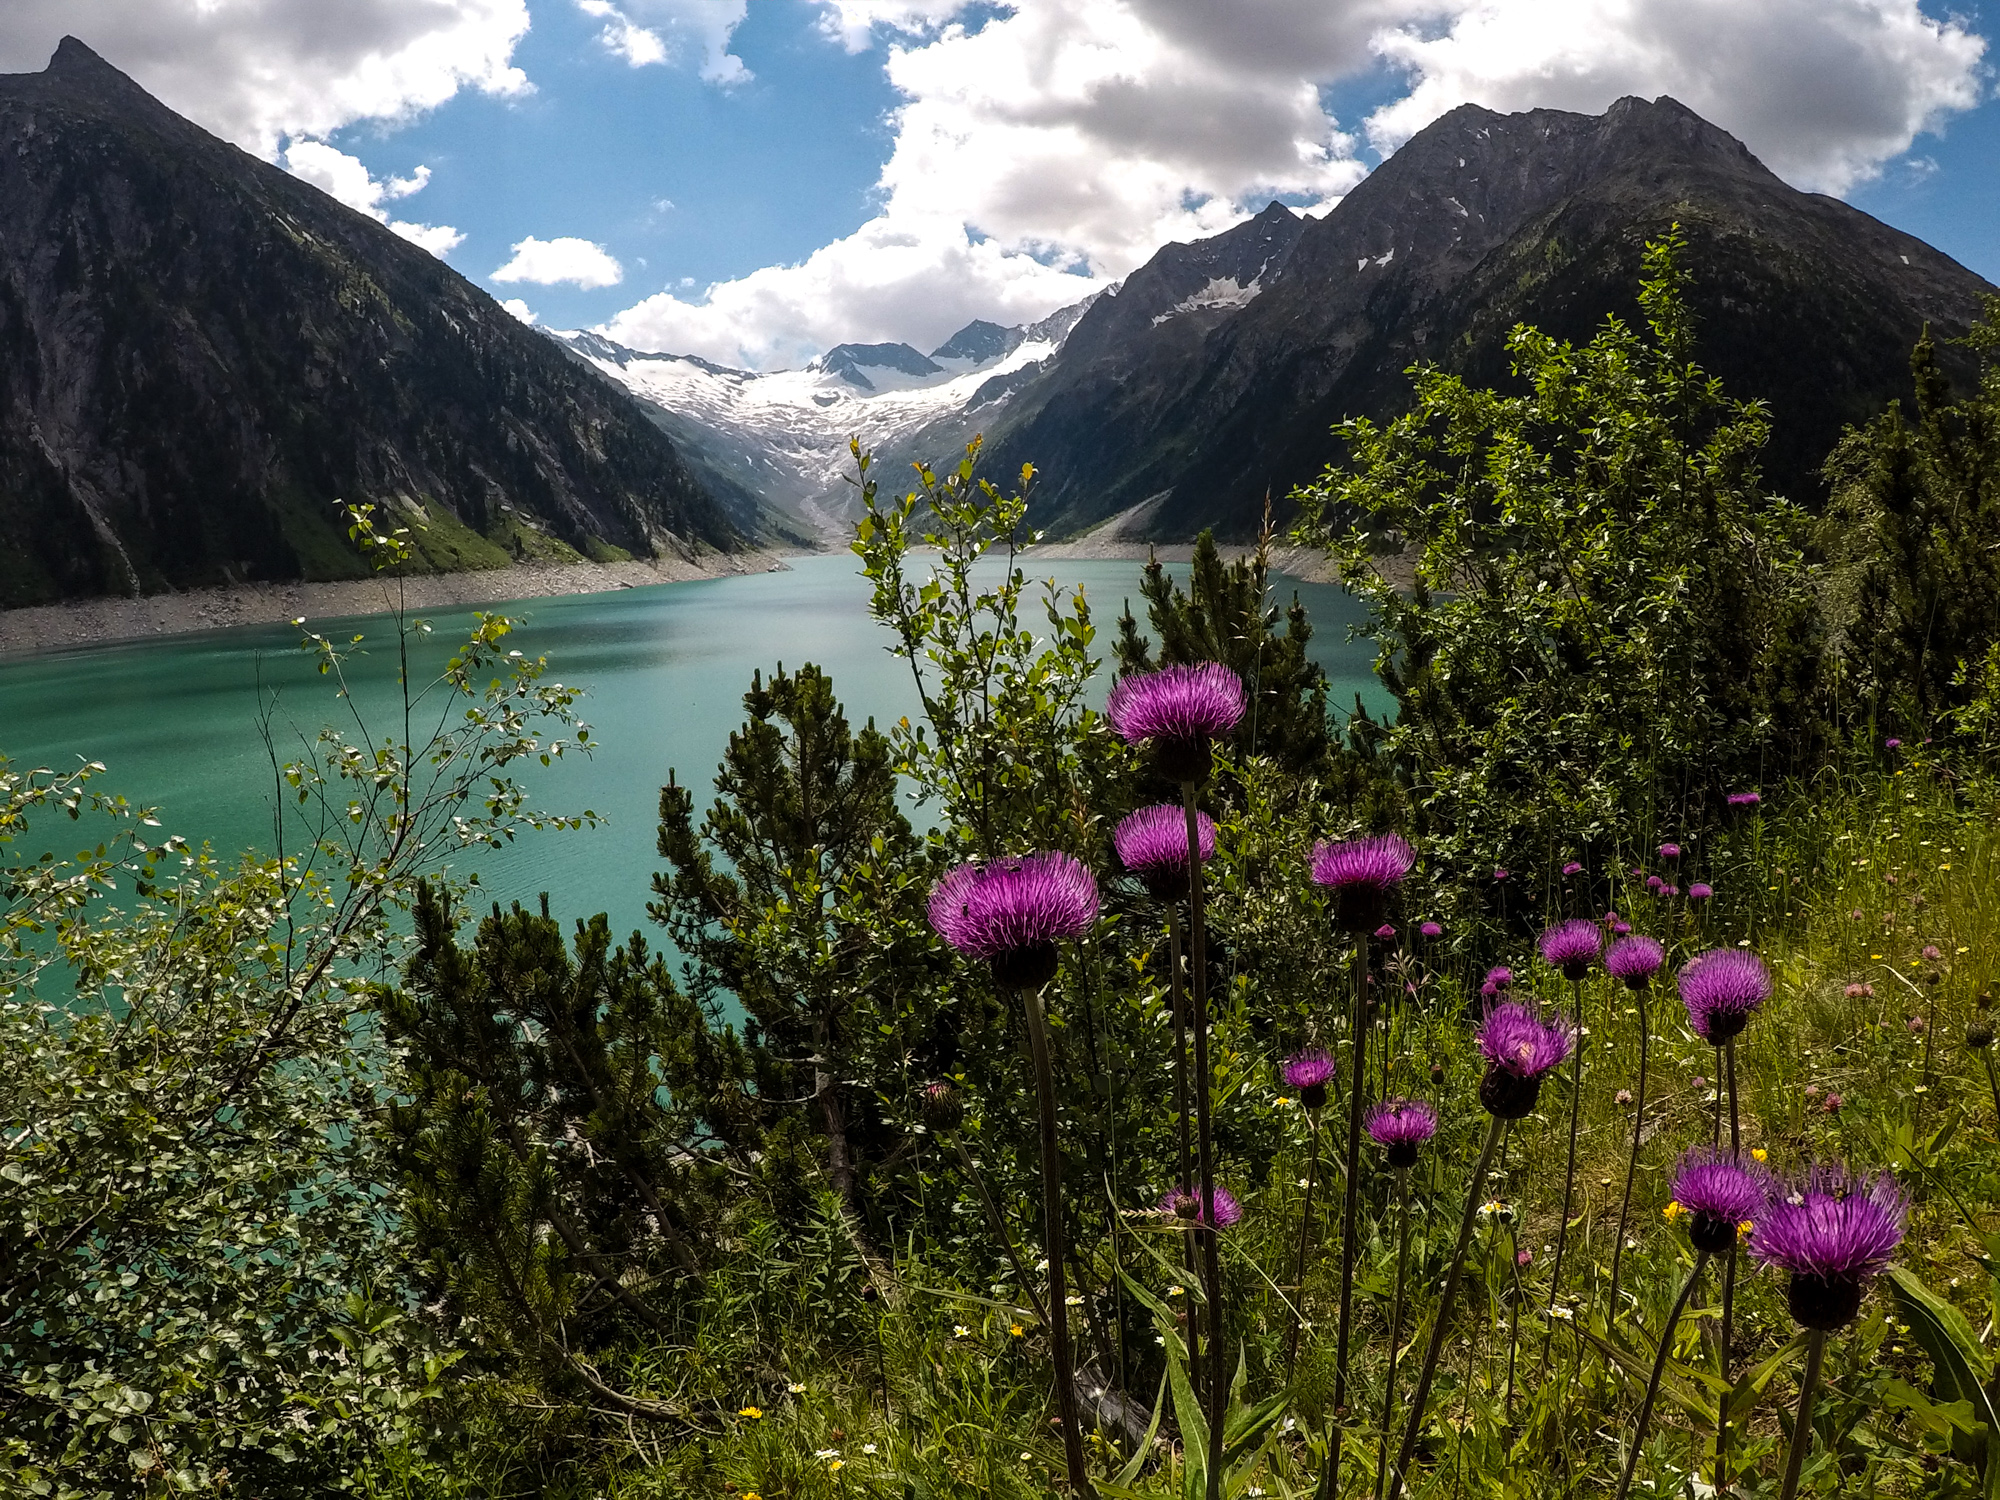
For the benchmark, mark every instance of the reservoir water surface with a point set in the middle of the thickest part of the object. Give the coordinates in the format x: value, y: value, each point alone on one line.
x: 175, y: 720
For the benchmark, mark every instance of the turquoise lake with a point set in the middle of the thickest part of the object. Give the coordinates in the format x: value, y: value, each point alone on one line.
x: 175, y: 718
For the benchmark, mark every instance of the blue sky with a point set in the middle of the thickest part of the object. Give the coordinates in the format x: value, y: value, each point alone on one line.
x: 676, y: 177
x: 754, y: 180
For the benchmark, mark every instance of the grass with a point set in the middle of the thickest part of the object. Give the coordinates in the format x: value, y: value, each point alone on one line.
x: 942, y: 1389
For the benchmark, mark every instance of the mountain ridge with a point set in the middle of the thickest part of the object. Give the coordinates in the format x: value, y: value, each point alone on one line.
x: 200, y: 354
x: 1214, y: 374
x: 1479, y: 222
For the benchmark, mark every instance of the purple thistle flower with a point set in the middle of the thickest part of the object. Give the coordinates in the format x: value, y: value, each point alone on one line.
x: 1572, y: 868
x: 1385, y: 932
x: 1013, y: 912
x: 1184, y: 1204
x: 1670, y: 851
x: 1673, y: 890
x: 1498, y: 979
x: 1308, y: 1073
x: 1400, y: 1127
x: 1655, y: 884
x: 1431, y: 930
x: 1701, y: 890
x: 1718, y: 1193
x: 1177, y: 711
x: 1621, y: 929
x: 1499, y: 873
x: 1892, y: 744
x: 1722, y: 989
x: 1743, y: 801
x: 1361, y: 873
x: 1520, y: 1048
x: 1571, y: 946
x: 1832, y: 1232
x: 1635, y: 960
x: 1152, y: 844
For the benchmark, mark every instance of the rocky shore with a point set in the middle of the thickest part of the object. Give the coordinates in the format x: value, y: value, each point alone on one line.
x: 85, y: 622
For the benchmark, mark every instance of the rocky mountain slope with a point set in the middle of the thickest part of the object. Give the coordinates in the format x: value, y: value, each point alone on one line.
x: 779, y: 439
x: 1481, y: 221
x: 1214, y: 374
x: 200, y: 354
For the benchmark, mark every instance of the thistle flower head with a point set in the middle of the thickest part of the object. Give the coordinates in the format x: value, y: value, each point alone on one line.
x: 1670, y: 851
x: 1401, y: 1127
x: 1012, y: 912
x: 1833, y: 1232
x: 1722, y: 989
x: 1520, y: 1049
x: 1185, y: 1205
x: 943, y: 1110
x: 1498, y: 979
x: 1718, y: 1193
x: 1361, y: 873
x: 1430, y: 930
x: 1308, y: 1073
x: 1571, y: 946
x: 1177, y: 711
x: 1635, y: 960
x: 1701, y: 890
x: 1743, y: 801
x: 1572, y: 868
x: 1152, y: 843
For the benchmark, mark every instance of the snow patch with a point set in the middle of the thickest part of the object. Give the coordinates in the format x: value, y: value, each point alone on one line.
x: 1221, y: 291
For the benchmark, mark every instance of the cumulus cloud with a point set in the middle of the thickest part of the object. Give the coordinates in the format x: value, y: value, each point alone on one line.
x: 1079, y: 135
x: 704, y: 27
x: 549, y: 262
x: 257, y: 71
x: 521, y: 310
x: 1824, y: 91
x: 624, y: 37
x: 347, y: 179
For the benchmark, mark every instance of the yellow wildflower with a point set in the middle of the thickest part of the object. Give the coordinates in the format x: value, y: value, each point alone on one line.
x: 1673, y: 1210
x: 1017, y: 1330
x: 754, y: 1413
x: 1758, y: 1153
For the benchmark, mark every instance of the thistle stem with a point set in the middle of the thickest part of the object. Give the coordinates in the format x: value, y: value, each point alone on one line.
x: 1569, y: 1173
x: 1632, y: 1163
x: 1190, y: 1251
x: 1659, y: 1368
x: 1305, y: 1237
x: 1727, y: 1329
x: 1993, y: 1080
x: 1413, y: 1428
x: 1395, y: 1321
x: 1210, y: 1234
x: 1057, y: 1320
x: 1802, y: 1424
x: 1350, y: 1212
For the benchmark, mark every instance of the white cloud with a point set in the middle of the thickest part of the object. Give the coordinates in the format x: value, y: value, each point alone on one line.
x: 1824, y: 91
x: 566, y: 258
x: 347, y: 179
x: 439, y: 239
x: 521, y: 310
x: 708, y: 25
x: 256, y: 71
x: 624, y: 37
x: 1085, y: 133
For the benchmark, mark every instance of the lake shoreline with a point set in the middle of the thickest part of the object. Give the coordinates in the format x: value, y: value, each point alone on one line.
x: 41, y: 629
x: 44, y: 629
